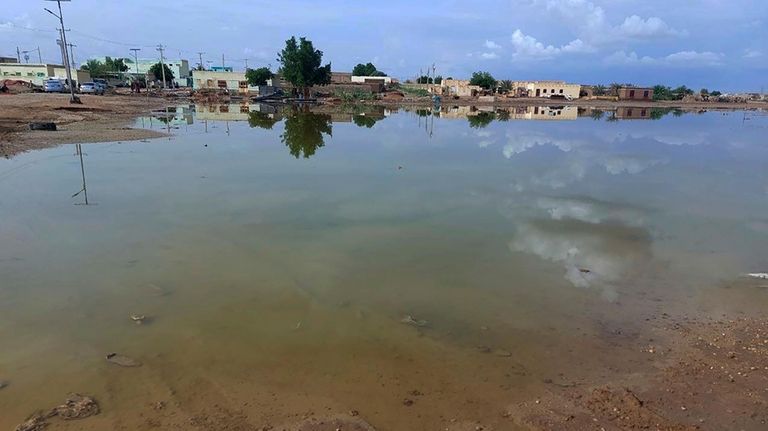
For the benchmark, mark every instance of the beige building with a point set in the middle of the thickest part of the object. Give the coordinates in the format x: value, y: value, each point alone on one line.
x: 546, y: 89
x: 37, y: 73
x: 459, y: 87
x: 219, y: 80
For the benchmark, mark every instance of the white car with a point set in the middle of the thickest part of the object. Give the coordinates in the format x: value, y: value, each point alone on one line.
x: 92, y: 88
x: 54, y: 86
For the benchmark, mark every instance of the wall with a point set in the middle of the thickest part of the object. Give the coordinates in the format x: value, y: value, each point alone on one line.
x: 372, y: 79
x: 37, y: 73
x: 627, y: 93
x: 211, y: 80
x: 545, y: 89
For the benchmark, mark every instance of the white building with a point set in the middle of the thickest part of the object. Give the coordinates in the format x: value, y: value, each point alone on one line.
x: 179, y: 68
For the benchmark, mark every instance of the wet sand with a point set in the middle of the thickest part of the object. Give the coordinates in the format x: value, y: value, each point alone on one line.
x: 99, y: 119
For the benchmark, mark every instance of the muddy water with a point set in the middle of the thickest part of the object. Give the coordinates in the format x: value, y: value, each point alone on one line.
x: 275, y: 256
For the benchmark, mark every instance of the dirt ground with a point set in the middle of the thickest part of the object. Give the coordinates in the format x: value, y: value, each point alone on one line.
x: 710, y: 376
x: 98, y: 119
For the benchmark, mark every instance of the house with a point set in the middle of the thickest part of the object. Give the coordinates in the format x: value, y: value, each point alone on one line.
x: 459, y: 87
x: 371, y: 80
x: 179, y: 68
x: 546, y: 89
x: 635, y: 93
x: 8, y: 60
x: 628, y: 113
x: 233, y: 82
x: 36, y: 73
x: 341, y: 77
x: 222, y: 68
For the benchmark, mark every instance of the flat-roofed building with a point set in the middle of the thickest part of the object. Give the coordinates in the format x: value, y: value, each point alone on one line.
x: 213, y: 80
x: 635, y: 93
x: 37, y: 73
x: 547, y: 89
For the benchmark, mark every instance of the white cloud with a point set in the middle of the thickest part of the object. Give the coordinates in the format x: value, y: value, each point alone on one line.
x: 752, y: 53
x: 590, y: 24
x: 653, y: 27
x: 528, y: 47
x: 681, y: 58
x: 491, y: 45
x: 489, y: 55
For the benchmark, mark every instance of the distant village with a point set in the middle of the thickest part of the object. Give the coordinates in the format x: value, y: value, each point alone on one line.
x: 363, y: 83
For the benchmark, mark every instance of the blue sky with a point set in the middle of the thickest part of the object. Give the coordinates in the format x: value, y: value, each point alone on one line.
x: 716, y: 44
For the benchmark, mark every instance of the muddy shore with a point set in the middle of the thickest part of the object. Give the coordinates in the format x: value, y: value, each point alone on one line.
x: 98, y: 119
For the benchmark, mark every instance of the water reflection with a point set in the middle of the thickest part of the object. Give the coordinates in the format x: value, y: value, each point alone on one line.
x: 84, y: 189
x: 303, y: 132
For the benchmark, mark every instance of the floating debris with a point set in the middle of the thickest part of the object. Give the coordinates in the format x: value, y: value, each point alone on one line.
x: 138, y: 318
x: 4, y: 384
x: 75, y: 407
x: 122, y: 360
x: 409, y: 320
x: 502, y: 353
x: 760, y: 275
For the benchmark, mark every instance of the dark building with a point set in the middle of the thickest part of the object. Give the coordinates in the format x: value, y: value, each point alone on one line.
x: 635, y: 93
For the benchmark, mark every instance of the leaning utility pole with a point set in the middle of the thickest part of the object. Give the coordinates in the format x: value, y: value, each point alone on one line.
x: 162, y: 63
x: 136, y: 58
x: 60, y: 16
x: 72, y: 54
x: 200, y: 54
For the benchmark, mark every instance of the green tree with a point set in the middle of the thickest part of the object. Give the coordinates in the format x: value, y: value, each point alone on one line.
x: 481, y: 120
x: 505, y: 86
x: 599, y: 90
x: 301, y: 65
x: 261, y: 120
x: 424, y: 79
x: 715, y: 94
x: 115, y: 64
x: 613, y: 89
x: 438, y: 79
x: 157, y: 71
x: 704, y: 92
x: 483, y: 79
x: 258, y: 76
x: 96, y: 68
x: 597, y: 114
x: 303, y: 132
x: 364, y: 120
x: 367, y: 69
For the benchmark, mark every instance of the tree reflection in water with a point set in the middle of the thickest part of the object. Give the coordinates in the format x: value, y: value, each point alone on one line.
x: 303, y: 132
x: 262, y: 120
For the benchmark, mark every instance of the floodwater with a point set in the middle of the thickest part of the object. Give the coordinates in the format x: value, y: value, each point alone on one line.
x: 276, y: 254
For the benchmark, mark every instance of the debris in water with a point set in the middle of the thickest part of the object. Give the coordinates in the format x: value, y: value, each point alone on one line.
x: 138, y: 318
x: 408, y: 319
x: 3, y: 384
x: 298, y: 326
x: 75, y: 407
x: 584, y: 270
x: 122, y: 360
x: 502, y: 353
x: 760, y: 275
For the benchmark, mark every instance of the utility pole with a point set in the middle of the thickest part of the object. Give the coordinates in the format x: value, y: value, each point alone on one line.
x: 136, y: 58
x: 72, y: 54
x: 162, y: 63
x: 246, y: 64
x: 39, y: 56
x: 18, y: 54
x: 200, y: 54
x: 222, y: 61
x: 60, y: 16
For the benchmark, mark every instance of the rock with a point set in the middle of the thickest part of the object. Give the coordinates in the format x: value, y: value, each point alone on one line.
x: 3, y: 384
x: 409, y: 320
x: 77, y: 407
x: 42, y: 126
x: 408, y: 402
x: 35, y: 423
x: 502, y: 353
x: 122, y: 360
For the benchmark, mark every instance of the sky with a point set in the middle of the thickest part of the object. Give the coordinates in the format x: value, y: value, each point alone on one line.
x: 715, y: 44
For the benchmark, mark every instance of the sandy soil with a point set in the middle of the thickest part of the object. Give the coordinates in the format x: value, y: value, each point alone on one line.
x: 98, y: 119
x: 710, y: 375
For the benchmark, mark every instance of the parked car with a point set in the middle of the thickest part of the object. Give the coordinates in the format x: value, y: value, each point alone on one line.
x: 54, y: 85
x: 91, y: 88
x: 101, y: 81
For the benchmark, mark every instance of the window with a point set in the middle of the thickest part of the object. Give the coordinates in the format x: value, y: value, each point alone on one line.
x: 244, y: 109
x: 224, y: 108
x: 545, y: 91
x: 629, y: 112
x: 642, y: 112
x: 645, y: 94
x: 561, y: 91
x: 631, y: 94
x: 222, y: 83
x: 536, y: 109
x: 243, y: 84
x: 552, y: 91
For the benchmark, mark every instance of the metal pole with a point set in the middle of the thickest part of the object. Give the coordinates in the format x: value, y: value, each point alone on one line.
x: 136, y: 58
x: 162, y: 63
x: 202, y: 67
x: 18, y: 54
x: 72, y: 53
x: 39, y: 56
x: 73, y: 99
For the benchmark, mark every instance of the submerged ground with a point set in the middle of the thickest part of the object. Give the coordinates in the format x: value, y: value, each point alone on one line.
x: 448, y: 269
